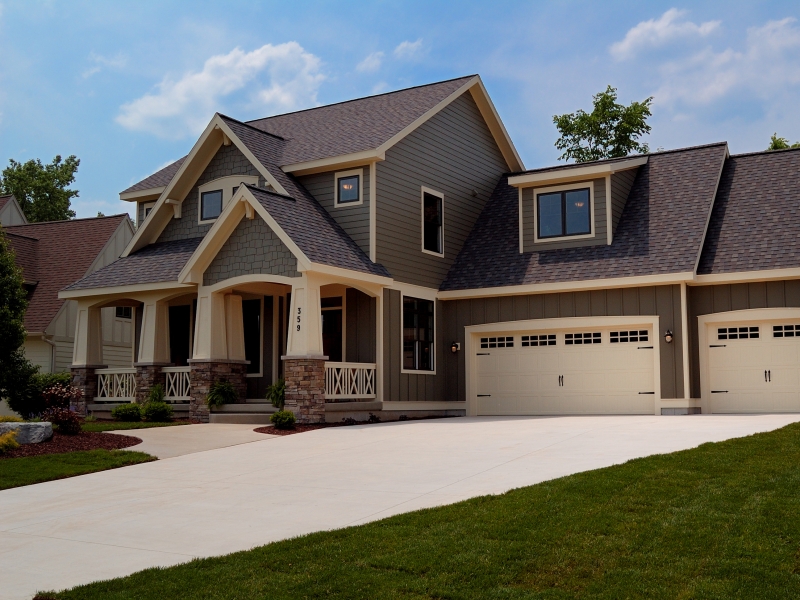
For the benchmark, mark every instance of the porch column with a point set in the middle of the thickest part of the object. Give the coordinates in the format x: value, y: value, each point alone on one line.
x: 218, y: 353
x: 304, y: 363
x: 153, y: 347
x: 87, y: 354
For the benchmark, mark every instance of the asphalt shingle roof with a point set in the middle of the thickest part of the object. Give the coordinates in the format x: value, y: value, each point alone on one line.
x: 158, y: 179
x: 661, y: 230
x: 755, y: 224
x: 155, y: 263
x: 65, y: 251
x: 4, y: 200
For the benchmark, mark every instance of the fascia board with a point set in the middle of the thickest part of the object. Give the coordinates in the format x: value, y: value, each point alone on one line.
x: 122, y: 290
x: 600, y: 170
x: 748, y: 276
x: 496, y: 126
x: 334, y: 162
x: 341, y: 273
x: 141, y: 195
x: 568, y: 286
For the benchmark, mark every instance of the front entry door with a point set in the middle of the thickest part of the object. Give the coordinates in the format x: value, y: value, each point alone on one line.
x: 332, y: 328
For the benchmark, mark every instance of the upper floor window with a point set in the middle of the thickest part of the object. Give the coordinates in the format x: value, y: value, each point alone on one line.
x: 348, y: 188
x: 562, y: 213
x: 432, y: 222
x: 418, y: 324
x: 210, y: 205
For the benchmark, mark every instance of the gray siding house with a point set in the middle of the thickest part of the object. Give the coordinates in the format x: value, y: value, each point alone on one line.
x: 391, y: 255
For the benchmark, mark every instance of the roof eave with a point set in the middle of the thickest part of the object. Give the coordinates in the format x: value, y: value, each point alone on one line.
x: 576, y: 173
x: 142, y: 195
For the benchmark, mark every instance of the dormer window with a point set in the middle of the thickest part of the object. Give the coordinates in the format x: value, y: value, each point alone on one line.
x: 563, y: 213
x: 348, y: 188
x: 210, y: 205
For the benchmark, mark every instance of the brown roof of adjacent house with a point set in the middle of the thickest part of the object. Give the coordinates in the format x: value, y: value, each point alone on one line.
x: 26, y: 250
x: 755, y: 224
x: 4, y: 200
x: 65, y: 250
x: 661, y: 230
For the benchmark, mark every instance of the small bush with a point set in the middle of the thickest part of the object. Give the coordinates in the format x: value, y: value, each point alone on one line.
x: 283, y: 419
x: 156, y: 393
x: 373, y: 418
x: 221, y: 392
x: 59, y: 395
x: 127, y: 412
x: 349, y: 421
x: 25, y: 396
x: 157, y: 412
x: 9, y: 419
x: 67, y: 421
x: 276, y: 394
x: 8, y: 441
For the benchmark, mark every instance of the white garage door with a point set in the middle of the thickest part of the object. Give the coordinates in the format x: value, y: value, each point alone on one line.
x: 592, y: 371
x: 753, y: 367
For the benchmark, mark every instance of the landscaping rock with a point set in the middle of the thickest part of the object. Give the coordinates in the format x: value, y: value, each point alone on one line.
x: 29, y: 433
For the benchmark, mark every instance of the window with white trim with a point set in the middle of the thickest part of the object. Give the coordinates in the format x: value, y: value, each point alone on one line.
x: 564, y: 213
x: 348, y: 188
x: 210, y: 205
x: 432, y: 222
x: 418, y: 327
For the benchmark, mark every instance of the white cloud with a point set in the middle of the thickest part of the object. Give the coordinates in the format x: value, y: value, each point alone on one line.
x: 767, y: 67
x: 667, y: 28
x: 99, y: 62
x: 408, y: 50
x: 370, y: 64
x: 379, y: 88
x: 270, y: 79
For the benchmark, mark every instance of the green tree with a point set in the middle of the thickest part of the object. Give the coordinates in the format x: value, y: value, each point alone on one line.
x: 611, y: 130
x: 41, y: 190
x: 780, y: 143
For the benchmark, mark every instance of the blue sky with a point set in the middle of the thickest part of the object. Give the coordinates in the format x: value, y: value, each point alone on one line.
x: 127, y: 87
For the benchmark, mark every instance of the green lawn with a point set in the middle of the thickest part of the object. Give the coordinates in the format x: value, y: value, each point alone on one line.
x: 16, y: 472
x: 119, y: 425
x: 718, y: 521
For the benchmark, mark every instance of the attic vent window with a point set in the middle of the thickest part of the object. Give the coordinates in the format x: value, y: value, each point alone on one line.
x: 210, y: 205
x: 563, y: 213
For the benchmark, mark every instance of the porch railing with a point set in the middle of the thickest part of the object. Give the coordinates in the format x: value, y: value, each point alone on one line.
x: 179, y: 384
x: 349, y: 380
x: 116, y: 385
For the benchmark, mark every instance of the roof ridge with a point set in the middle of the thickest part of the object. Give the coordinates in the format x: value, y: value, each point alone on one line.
x: 246, y: 124
x: 413, y: 87
x: 71, y: 220
x: 782, y: 150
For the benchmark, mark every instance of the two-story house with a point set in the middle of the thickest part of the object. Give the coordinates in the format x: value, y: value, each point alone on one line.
x: 390, y: 255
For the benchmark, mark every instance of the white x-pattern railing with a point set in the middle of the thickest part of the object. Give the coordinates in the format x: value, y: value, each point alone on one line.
x: 179, y: 385
x: 116, y: 385
x: 349, y: 380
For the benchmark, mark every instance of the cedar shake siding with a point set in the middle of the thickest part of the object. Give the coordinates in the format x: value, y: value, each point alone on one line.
x: 453, y: 153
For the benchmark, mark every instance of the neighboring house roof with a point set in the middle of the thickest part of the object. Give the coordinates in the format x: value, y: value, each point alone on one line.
x: 661, y: 230
x: 26, y: 251
x: 755, y: 224
x: 155, y: 263
x: 65, y: 252
x: 158, y: 179
x: 11, y: 212
x: 4, y: 200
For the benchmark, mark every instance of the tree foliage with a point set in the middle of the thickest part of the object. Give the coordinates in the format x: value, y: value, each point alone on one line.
x: 780, y: 143
x: 611, y: 130
x: 42, y: 190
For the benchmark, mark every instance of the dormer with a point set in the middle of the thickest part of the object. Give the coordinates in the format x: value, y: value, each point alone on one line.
x: 574, y: 205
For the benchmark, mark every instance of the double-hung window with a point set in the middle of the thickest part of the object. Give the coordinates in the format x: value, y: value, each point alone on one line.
x: 417, y: 334
x: 210, y: 205
x: 432, y: 222
x: 564, y: 213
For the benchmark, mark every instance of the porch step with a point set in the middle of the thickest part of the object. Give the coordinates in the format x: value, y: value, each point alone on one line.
x: 255, y: 412
x: 249, y: 407
x: 240, y: 418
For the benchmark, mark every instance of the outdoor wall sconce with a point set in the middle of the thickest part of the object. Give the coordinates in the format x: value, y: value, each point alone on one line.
x: 668, y: 336
x: 455, y: 347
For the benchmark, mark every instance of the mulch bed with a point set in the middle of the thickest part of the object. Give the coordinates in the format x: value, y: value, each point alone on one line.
x: 297, y: 428
x: 60, y: 443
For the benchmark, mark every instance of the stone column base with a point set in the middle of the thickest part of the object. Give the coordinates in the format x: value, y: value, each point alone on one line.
x: 205, y: 373
x: 85, y: 379
x: 305, y: 388
x: 146, y: 377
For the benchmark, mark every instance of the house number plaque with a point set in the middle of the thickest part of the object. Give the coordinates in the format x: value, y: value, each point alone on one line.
x: 299, y: 319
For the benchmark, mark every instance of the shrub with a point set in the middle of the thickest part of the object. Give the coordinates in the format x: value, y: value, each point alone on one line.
x: 156, y: 393
x: 10, y: 419
x: 349, y: 421
x: 8, y: 441
x: 27, y: 398
x: 157, y: 412
x: 283, y: 419
x: 373, y: 418
x: 67, y: 421
x: 61, y: 396
x: 127, y: 412
x: 221, y: 392
x: 276, y: 394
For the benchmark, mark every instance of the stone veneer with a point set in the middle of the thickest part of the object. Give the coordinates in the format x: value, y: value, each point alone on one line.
x: 85, y: 379
x: 305, y: 388
x: 146, y: 377
x: 203, y: 374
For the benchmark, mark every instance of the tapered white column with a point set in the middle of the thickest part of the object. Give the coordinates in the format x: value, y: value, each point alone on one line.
x: 88, y: 348
x: 154, y: 341
x: 305, y: 319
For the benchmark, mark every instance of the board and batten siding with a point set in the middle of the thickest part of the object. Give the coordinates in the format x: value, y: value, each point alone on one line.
x: 621, y: 184
x: 353, y: 219
x: 711, y: 299
x: 453, y: 316
x: 360, y: 326
x: 529, y: 225
x: 453, y: 153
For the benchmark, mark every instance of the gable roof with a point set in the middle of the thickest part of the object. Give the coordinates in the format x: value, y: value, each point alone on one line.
x: 661, y: 230
x: 755, y: 223
x: 64, y: 251
x: 8, y: 206
x: 159, y: 179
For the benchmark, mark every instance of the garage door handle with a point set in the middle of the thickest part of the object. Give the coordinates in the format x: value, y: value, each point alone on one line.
x: 484, y: 395
x: 645, y: 348
x: 717, y: 346
x: 484, y: 353
x: 647, y: 392
x: 719, y: 391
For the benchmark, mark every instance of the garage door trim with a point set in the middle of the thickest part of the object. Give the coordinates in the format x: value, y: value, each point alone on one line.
x: 473, y: 333
x: 738, y: 316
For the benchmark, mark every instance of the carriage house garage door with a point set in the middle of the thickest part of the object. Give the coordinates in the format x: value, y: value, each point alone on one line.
x: 588, y: 370
x: 752, y: 364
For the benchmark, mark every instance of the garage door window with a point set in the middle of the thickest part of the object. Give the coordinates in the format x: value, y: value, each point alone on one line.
x: 417, y: 334
x: 780, y: 331
x: 628, y: 336
x: 737, y: 333
x: 497, y: 342
x: 546, y: 339
x: 571, y: 339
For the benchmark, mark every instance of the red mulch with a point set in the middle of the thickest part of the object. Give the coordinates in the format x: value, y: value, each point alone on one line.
x: 270, y: 429
x: 85, y: 440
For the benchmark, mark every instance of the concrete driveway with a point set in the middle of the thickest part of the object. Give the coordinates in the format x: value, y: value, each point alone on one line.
x: 63, y: 533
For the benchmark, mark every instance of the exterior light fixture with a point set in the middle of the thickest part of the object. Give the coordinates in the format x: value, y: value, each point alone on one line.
x: 455, y: 347
x: 668, y: 336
